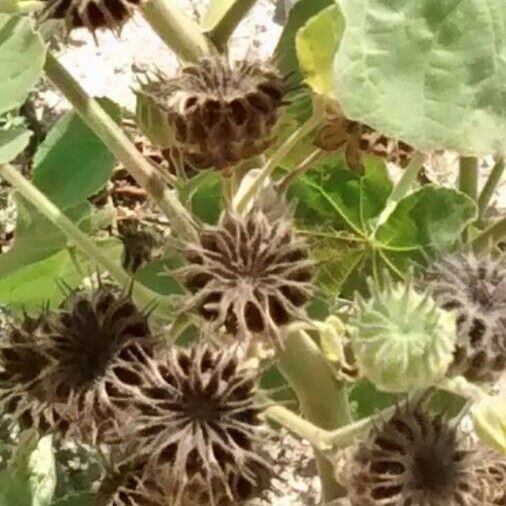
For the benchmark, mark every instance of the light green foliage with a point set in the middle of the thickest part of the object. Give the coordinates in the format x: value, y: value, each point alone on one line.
x: 429, y: 72
x: 316, y: 44
x: 203, y: 195
x: 12, y: 142
x: 22, y: 55
x: 72, y: 163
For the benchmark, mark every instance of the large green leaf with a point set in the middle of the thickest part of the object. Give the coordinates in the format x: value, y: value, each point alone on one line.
x: 286, y: 54
x: 38, y: 283
x: 22, y: 55
x: 12, y: 143
x: 335, y: 197
x: 430, y: 217
x: 156, y: 275
x: 73, y: 163
x: 316, y: 44
x: 429, y: 72
x: 203, y: 195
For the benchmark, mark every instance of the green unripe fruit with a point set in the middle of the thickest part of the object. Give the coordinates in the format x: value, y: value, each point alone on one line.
x: 401, y: 339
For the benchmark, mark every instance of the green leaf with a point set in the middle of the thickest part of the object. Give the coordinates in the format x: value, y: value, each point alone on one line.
x: 316, y: 44
x: 334, y: 197
x: 12, y: 143
x: 203, y: 195
x: 38, y: 283
x: 367, y: 400
x: 428, y: 218
x: 30, y: 479
x: 286, y: 54
x: 429, y: 72
x: 72, y: 163
x: 156, y: 275
x: 81, y: 499
x: 22, y: 55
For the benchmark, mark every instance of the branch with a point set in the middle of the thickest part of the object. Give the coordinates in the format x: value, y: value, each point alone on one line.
x: 90, y: 111
x: 488, y: 190
x: 179, y: 32
x: 468, y: 176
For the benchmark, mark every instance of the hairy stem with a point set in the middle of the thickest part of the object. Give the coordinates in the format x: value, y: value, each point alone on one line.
x: 244, y: 198
x: 176, y: 29
x: 33, y: 195
x: 115, y: 139
x: 468, y: 176
x: 323, y: 399
x: 220, y: 33
x: 490, y: 236
x: 488, y: 190
x: 402, y: 187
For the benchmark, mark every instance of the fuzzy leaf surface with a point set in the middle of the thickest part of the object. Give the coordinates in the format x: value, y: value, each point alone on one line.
x: 429, y: 72
x: 22, y: 56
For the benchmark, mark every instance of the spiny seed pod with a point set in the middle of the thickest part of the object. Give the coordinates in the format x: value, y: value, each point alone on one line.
x: 401, y: 339
x: 87, y: 351
x: 22, y: 392
x: 416, y: 458
x: 130, y: 484
x: 222, y: 112
x: 91, y: 14
x: 251, y: 274
x: 475, y: 289
x: 197, y: 424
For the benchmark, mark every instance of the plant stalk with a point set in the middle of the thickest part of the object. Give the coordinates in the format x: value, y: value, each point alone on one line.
x: 221, y: 32
x: 179, y: 32
x: 20, y: 6
x: 33, y: 195
x: 490, y: 236
x: 468, y: 176
x: 488, y: 190
x: 242, y: 199
x: 323, y: 400
x: 120, y: 145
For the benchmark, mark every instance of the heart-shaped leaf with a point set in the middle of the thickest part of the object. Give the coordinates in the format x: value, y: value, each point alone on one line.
x: 429, y: 72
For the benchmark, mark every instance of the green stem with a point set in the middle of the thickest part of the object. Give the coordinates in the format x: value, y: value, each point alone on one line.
x: 27, y: 190
x: 179, y: 32
x: 221, y: 32
x: 468, y: 176
x: 20, y: 6
x: 460, y: 386
x: 323, y: 399
x: 402, y: 187
x: 490, y: 236
x: 305, y: 165
x: 115, y: 139
x: 488, y: 190
x: 245, y: 196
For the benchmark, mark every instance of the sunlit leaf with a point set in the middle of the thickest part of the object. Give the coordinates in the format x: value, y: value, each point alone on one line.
x: 429, y: 72
x: 22, y: 55
x: 316, y: 43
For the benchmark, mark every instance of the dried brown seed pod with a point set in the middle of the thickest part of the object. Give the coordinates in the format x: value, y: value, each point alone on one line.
x: 416, y: 458
x: 22, y: 392
x: 221, y: 112
x: 250, y: 273
x: 81, y: 355
x: 90, y: 14
x: 130, y: 484
x: 475, y: 288
x: 358, y: 140
x: 197, y: 424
